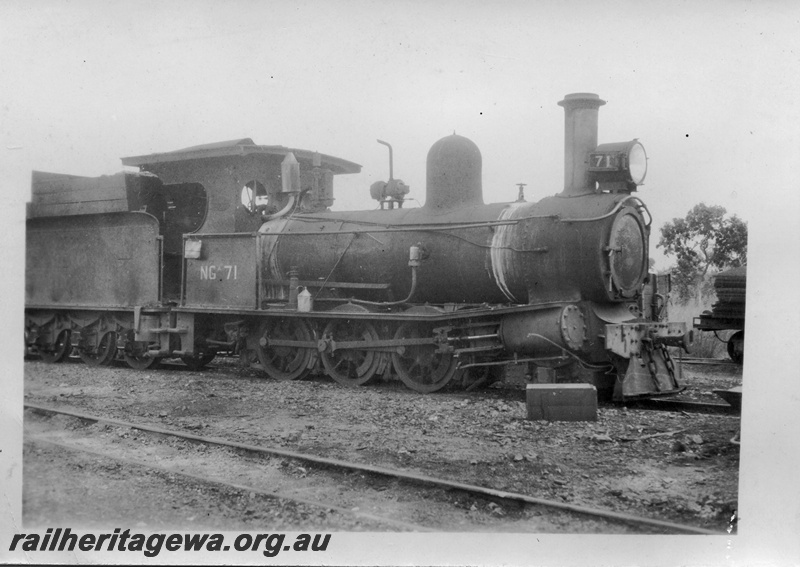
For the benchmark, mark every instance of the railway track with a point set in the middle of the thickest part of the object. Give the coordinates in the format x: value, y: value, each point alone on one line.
x: 436, y: 493
x: 708, y: 361
x: 329, y: 507
x: 667, y: 404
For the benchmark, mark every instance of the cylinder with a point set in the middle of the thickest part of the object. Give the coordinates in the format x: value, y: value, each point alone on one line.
x: 545, y: 333
x: 580, y: 138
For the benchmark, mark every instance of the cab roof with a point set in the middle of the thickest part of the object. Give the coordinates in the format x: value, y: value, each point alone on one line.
x: 242, y: 147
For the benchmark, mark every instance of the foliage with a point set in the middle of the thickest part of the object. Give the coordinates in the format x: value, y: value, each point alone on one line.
x: 709, y: 345
x: 702, y: 240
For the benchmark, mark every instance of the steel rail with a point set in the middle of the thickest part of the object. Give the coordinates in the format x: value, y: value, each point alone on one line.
x: 235, y: 486
x: 394, y: 473
x: 707, y: 361
x: 666, y: 404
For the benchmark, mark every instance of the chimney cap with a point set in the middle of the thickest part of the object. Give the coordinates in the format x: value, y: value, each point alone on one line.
x: 582, y: 100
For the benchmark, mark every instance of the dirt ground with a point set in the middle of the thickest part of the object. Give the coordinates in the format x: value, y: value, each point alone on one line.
x: 669, y: 465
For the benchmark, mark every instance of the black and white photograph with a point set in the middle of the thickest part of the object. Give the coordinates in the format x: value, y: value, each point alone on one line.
x: 400, y: 283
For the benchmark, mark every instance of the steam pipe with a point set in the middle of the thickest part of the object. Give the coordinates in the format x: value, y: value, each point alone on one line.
x: 389, y: 303
x: 289, y: 206
x: 391, y: 160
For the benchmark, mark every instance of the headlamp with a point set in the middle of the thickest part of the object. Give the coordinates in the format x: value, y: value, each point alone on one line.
x: 619, y: 163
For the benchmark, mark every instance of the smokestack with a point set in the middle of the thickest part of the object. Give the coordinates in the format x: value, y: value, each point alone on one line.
x: 580, y: 138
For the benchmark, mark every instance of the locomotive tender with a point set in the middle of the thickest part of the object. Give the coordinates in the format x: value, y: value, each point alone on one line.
x: 232, y: 248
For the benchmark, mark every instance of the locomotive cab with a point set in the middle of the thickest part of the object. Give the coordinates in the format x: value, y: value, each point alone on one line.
x: 229, y: 187
x: 247, y: 183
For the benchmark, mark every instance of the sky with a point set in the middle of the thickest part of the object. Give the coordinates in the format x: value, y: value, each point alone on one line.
x: 704, y: 86
x: 710, y: 89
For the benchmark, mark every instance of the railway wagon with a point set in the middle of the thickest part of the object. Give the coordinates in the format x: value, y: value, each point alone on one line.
x: 728, y: 313
x: 232, y: 247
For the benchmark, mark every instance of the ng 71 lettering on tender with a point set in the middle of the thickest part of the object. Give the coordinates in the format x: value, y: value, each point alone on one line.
x: 212, y: 272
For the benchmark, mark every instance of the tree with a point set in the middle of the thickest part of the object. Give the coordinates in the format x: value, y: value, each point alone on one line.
x: 702, y: 240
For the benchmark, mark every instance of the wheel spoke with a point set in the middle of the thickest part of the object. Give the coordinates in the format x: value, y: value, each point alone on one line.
x: 103, y: 354
x: 286, y: 362
x: 352, y: 367
x: 421, y: 368
x: 58, y: 351
x: 140, y: 361
x: 426, y: 375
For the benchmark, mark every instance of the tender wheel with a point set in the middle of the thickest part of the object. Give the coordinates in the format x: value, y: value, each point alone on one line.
x: 134, y: 355
x: 27, y: 343
x: 286, y: 362
x: 59, y: 351
x: 104, y: 355
x: 736, y: 347
x: 351, y: 366
x: 420, y: 367
x: 140, y: 362
x: 198, y: 361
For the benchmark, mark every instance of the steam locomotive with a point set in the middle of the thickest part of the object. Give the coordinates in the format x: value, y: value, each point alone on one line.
x: 232, y: 248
